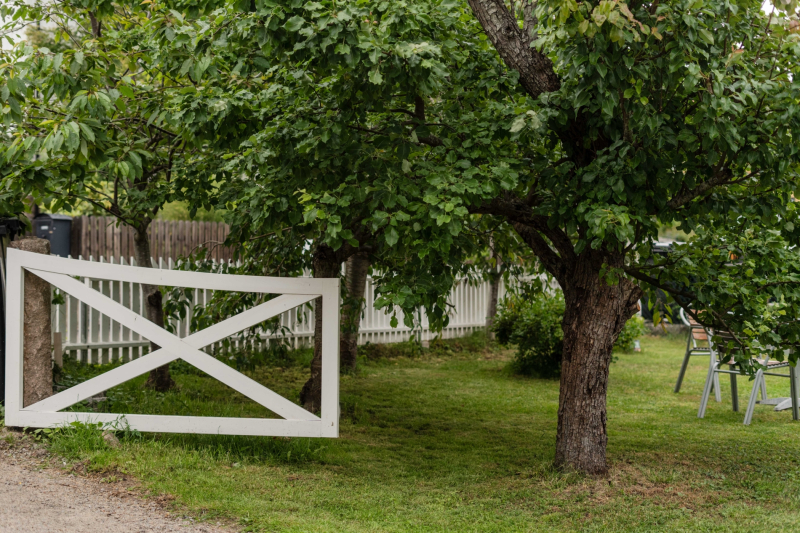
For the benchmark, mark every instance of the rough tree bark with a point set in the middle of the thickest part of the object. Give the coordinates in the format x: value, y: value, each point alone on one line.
x: 595, y: 314
x: 356, y: 270
x: 159, y: 378
x: 326, y: 265
x: 535, y: 69
x: 37, y: 366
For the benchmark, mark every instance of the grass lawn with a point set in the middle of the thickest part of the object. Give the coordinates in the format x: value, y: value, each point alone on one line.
x: 451, y: 442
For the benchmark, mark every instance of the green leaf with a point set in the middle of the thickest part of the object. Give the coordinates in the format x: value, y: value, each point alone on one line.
x: 87, y: 132
x: 392, y: 236
x: 294, y: 23
x: 126, y: 91
x: 608, y: 106
x: 375, y: 76
x: 185, y: 67
x: 706, y: 35
x: 12, y: 102
x: 518, y: 124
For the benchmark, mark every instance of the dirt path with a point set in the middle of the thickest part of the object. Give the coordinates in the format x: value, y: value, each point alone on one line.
x: 45, y: 500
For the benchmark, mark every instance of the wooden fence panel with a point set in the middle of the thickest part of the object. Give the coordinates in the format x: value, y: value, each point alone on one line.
x: 170, y: 239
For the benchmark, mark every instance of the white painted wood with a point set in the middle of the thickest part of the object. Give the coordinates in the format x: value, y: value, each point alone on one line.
x: 274, y: 427
x: 175, y: 278
x: 298, y: 421
x: 250, y: 388
x: 105, y: 381
x: 330, y: 359
x: 15, y: 290
x: 139, y: 366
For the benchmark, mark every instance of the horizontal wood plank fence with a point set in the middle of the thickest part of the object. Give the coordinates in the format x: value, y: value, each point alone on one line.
x: 92, y: 337
x: 97, y: 237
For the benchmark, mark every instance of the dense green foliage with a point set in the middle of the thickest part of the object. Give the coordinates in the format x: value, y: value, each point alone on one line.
x: 533, y: 325
x: 386, y: 124
x: 84, y: 120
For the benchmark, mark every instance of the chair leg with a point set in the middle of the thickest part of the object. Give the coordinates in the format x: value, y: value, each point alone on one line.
x: 751, y: 405
x: 717, y: 394
x: 685, y: 363
x: 734, y: 391
x: 707, y: 389
x: 717, y: 391
x: 793, y: 393
x: 763, y: 388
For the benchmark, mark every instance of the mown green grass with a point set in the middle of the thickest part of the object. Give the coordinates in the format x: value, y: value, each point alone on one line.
x: 449, y: 441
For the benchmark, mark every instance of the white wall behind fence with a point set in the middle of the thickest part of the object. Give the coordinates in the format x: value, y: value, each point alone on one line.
x: 93, y: 337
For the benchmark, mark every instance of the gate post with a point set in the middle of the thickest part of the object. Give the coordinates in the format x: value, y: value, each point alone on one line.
x: 37, y: 338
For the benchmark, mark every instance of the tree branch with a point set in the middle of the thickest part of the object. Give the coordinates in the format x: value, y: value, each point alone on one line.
x: 656, y: 283
x: 536, y: 72
x: 529, y: 21
x: 686, y: 195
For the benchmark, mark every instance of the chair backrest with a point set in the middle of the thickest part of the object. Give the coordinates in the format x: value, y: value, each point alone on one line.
x: 684, y: 318
x: 697, y: 330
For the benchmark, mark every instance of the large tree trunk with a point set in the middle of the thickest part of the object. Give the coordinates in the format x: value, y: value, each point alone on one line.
x: 326, y: 265
x: 159, y: 378
x: 356, y: 270
x: 595, y: 314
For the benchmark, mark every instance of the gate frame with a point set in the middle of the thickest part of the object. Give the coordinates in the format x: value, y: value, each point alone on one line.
x: 60, y: 272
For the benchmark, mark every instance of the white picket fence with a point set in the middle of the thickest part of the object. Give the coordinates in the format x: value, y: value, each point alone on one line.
x: 90, y: 336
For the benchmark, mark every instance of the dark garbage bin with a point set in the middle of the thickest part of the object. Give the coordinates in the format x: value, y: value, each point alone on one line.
x: 56, y: 229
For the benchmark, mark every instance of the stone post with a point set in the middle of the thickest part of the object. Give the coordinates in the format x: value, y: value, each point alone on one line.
x: 37, y: 349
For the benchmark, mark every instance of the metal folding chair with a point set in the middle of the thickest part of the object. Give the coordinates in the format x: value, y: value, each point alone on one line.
x: 720, y: 359
x: 698, y: 336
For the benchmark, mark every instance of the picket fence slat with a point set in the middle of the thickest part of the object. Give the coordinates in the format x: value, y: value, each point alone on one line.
x: 92, y: 337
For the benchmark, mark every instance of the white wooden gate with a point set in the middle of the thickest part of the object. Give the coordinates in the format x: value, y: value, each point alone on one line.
x: 59, y: 272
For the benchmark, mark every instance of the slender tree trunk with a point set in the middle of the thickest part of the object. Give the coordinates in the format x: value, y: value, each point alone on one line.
x: 494, y: 291
x: 356, y: 270
x: 595, y: 315
x: 159, y: 378
x: 491, y: 312
x: 326, y: 265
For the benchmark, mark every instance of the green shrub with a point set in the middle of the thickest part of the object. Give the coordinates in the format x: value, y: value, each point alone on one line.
x: 634, y: 328
x: 534, y: 326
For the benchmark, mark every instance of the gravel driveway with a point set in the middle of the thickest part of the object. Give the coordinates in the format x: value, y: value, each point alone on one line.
x: 45, y: 500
